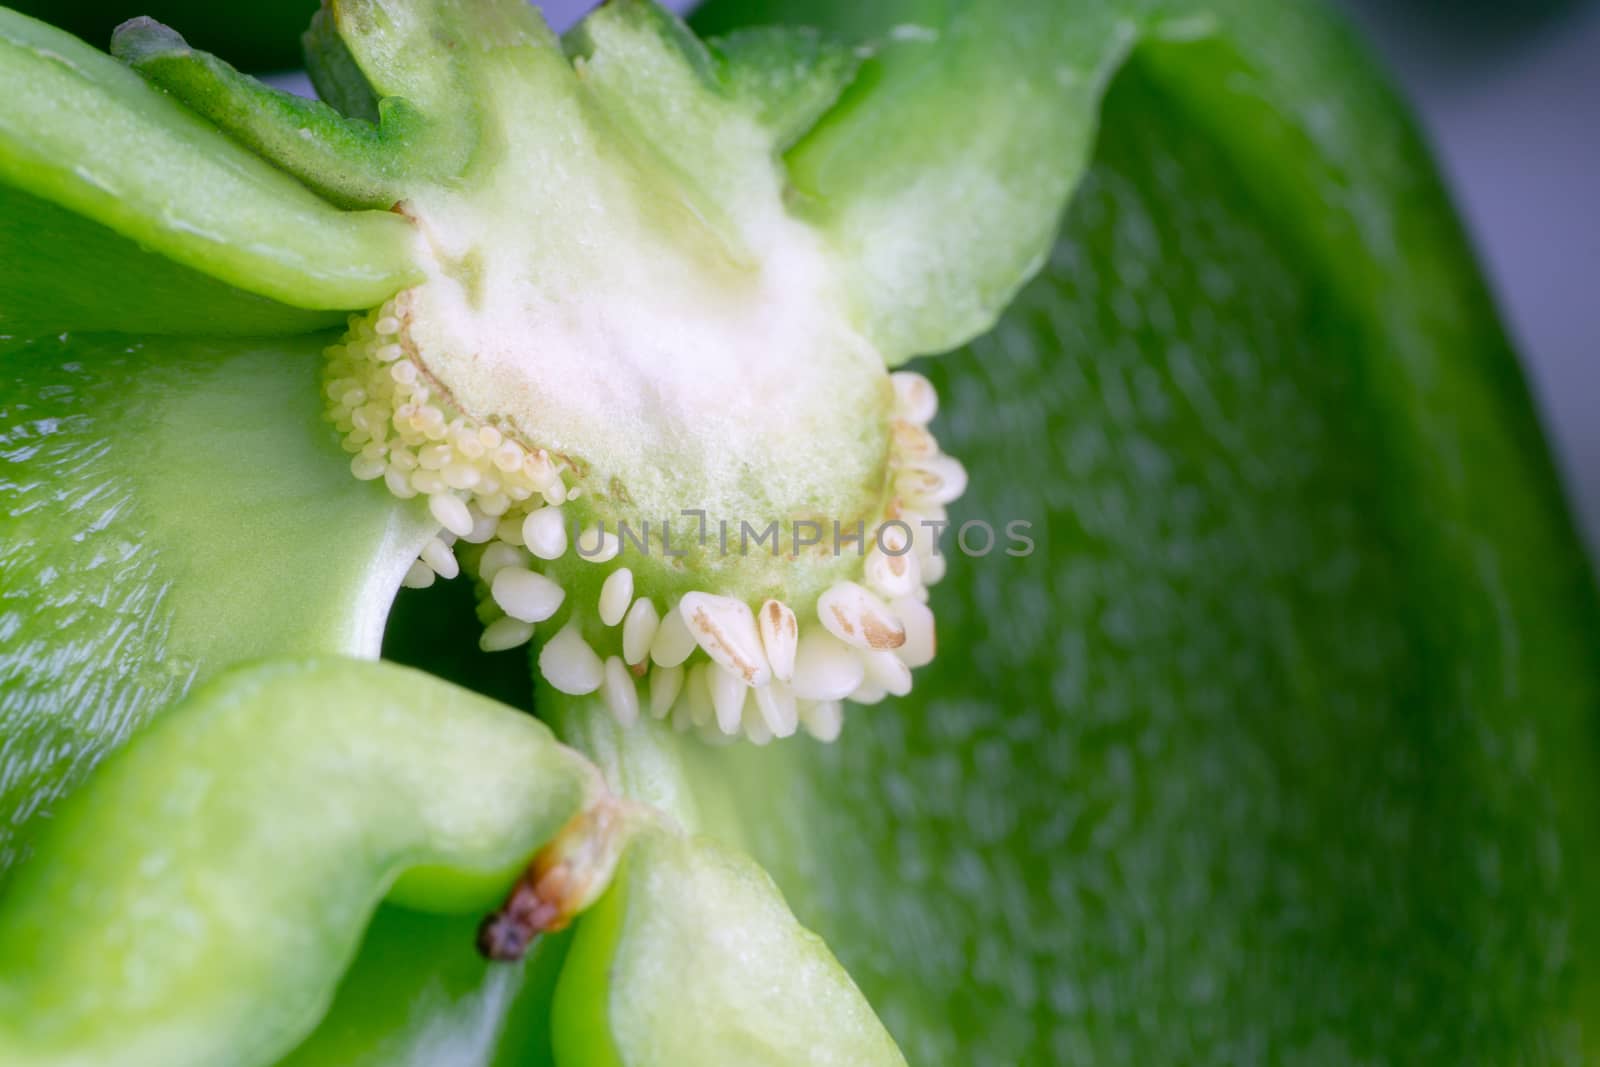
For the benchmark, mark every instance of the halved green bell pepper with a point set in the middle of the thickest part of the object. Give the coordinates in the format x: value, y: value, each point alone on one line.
x: 1281, y: 744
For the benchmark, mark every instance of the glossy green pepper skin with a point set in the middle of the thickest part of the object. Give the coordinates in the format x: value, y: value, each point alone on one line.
x: 163, y: 559
x: 1280, y: 747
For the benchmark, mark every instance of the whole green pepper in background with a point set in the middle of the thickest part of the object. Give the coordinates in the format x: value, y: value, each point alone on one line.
x: 1281, y: 746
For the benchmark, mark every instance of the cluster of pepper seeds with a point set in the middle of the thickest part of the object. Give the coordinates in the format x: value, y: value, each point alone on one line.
x: 712, y: 663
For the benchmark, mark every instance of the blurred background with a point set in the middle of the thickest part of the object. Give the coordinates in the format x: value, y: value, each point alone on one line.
x: 1508, y: 91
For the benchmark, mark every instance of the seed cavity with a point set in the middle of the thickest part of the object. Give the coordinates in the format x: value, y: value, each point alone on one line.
x: 712, y: 664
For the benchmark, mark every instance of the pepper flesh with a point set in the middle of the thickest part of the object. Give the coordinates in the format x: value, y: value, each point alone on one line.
x: 197, y: 901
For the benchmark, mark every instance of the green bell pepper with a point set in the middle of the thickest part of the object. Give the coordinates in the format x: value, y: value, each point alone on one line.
x: 1278, y: 746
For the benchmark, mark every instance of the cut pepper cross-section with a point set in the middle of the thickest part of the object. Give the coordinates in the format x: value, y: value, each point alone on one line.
x: 689, y: 468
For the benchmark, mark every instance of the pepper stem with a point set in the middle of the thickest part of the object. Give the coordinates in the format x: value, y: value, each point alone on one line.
x: 565, y: 877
